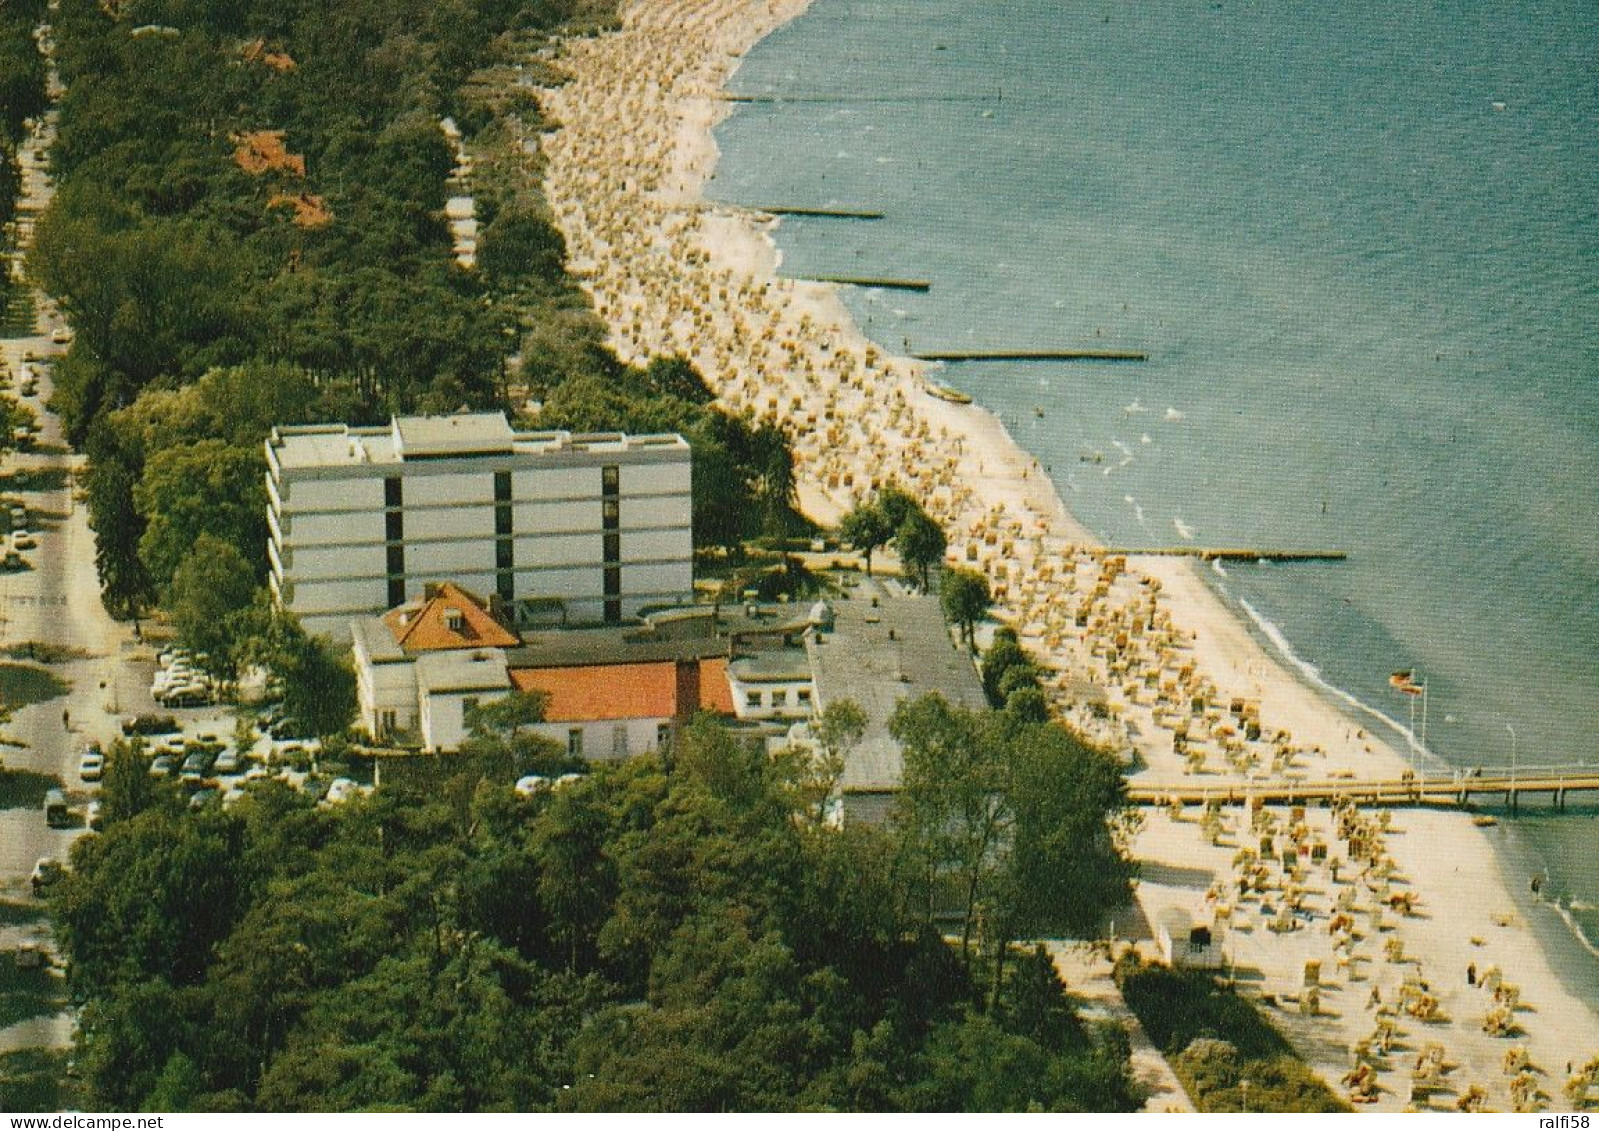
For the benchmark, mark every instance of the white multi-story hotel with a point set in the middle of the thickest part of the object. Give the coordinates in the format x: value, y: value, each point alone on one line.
x: 597, y: 526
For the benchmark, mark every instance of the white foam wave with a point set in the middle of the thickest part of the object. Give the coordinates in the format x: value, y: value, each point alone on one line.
x: 1313, y: 675
x: 1134, y: 407
x: 1186, y: 531
x: 1173, y: 415
x: 1575, y: 927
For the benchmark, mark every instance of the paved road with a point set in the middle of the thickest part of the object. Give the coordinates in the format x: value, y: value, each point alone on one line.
x: 55, y: 600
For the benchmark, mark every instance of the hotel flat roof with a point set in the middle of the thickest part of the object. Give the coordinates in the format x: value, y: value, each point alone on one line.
x: 463, y: 435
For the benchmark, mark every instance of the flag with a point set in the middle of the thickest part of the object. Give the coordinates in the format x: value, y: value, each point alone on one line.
x: 1406, y: 681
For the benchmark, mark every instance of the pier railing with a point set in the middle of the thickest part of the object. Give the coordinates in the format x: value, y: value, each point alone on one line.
x: 1505, y: 786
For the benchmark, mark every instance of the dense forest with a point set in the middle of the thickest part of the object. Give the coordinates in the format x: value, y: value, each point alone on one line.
x: 249, y: 229
x: 682, y: 936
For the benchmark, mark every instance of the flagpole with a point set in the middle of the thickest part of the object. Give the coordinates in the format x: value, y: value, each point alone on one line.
x: 1424, y: 717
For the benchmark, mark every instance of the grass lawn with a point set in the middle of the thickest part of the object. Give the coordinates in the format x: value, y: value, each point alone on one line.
x: 15, y: 913
x: 25, y: 684
x: 25, y: 789
x: 27, y: 993
x: 1223, y: 1050
x: 36, y: 1080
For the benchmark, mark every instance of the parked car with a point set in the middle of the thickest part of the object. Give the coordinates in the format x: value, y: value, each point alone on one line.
x: 185, y: 695
x: 290, y: 727
x: 195, y: 766
x: 19, y: 515
x: 342, y: 789
x: 56, y: 813
x: 203, y: 797
x: 228, y: 762
x: 92, y: 765
x: 150, y: 725
x: 60, y: 335
x: 531, y: 784
x: 162, y: 765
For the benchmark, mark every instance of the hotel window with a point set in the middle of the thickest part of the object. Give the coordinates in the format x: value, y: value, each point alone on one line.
x: 610, y: 480
x: 502, y: 519
x: 396, y: 559
x: 613, y: 581
x: 574, y: 742
x: 619, y: 741
x: 752, y: 699
x: 613, y: 546
x: 803, y: 697
x: 611, y: 514
x: 780, y: 699
x: 613, y: 611
x: 502, y: 486
x: 505, y: 584
x: 663, y: 736
x: 394, y: 525
x: 393, y: 494
x: 396, y: 591
x: 504, y: 555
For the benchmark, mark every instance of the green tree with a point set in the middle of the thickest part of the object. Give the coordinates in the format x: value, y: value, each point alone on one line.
x: 118, y: 527
x: 1014, y: 826
x: 815, y: 774
x: 920, y: 542
x: 677, y: 377
x: 318, y: 681
x: 505, y: 716
x: 126, y: 789
x: 966, y: 600
x: 866, y: 528
x: 1004, y: 653
x: 209, y: 487
x: 211, y: 592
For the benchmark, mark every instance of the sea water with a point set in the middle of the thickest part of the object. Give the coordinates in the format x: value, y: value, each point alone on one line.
x: 1360, y: 245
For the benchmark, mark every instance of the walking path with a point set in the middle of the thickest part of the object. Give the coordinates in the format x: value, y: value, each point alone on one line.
x: 1087, y: 970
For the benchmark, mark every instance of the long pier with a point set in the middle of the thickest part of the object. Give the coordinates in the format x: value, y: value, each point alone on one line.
x: 1033, y: 355
x: 1456, y: 791
x: 868, y: 281
x: 1229, y: 554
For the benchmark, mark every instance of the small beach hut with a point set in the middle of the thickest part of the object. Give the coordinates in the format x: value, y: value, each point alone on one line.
x: 1182, y: 942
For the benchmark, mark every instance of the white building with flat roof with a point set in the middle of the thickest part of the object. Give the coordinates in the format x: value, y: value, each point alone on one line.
x: 596, y: 525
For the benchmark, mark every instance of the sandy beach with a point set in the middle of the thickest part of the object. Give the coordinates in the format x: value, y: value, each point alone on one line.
x: 1143, y: 655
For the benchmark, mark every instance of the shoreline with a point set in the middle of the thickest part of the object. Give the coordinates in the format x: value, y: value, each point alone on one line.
x: 1130, y: 644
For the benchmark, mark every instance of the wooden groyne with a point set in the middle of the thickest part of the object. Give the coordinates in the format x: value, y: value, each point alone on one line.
x: 829, y: 213
x: 1228, y: 554
x: 867, y: 281
x: 1033, y: 355
x: 767, y: 99
x: 1435, y: 791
